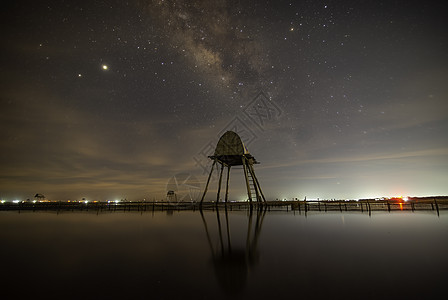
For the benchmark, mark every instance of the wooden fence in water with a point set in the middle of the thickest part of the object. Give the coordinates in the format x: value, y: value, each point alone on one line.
x: 434, y: 204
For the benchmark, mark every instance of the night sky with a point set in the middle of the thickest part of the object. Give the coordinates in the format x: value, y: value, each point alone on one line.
x: 111, y: 99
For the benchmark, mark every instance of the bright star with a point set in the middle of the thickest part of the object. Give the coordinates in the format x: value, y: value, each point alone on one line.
x: 105, y: 67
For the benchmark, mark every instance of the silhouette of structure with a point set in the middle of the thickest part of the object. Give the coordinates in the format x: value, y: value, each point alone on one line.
x: 39, y: 197
x: 171, y: 196
x: 185, y: 187
x: 230, y: 151
x: 233, y: 263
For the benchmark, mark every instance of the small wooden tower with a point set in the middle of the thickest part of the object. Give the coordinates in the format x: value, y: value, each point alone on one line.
x: 171, y: 197
x: 230, y: 151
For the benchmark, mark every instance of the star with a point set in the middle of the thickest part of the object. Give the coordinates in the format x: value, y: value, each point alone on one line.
x: 105, y: 67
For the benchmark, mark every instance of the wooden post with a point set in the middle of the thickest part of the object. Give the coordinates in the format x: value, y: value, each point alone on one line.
x: 254, y: 182
x: 227, y: 183
x: 219, y: 184
x: 257, y: 183
x: 437, y: 206
x: 247, y: 179
x: 208, y: 181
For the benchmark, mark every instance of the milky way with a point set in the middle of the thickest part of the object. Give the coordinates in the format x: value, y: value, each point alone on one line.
x: 220, y: 38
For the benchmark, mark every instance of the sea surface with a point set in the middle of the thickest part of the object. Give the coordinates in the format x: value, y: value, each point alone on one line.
x: 224, y: 255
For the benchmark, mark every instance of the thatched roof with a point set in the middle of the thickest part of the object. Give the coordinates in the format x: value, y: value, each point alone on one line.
x: 230, y: 150
x: 230, y: 143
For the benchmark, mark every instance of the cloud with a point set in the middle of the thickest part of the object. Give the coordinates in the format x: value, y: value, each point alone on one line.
x: 52, y: 145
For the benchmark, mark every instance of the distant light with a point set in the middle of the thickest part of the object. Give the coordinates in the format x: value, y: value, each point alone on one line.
x: 105, y: 67
x: 116, y: 201
x: 405, y: 198
x: 16, y: 201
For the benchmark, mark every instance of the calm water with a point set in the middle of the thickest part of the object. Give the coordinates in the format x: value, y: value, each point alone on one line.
x: 238, y: 255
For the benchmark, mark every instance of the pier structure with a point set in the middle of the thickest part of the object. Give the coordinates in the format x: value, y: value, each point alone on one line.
x: 231, y: 151
x: 437, y: 205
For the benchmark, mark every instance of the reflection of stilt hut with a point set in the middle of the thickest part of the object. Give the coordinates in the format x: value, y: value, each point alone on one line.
x: 232, y: 264
x: 230, y: 151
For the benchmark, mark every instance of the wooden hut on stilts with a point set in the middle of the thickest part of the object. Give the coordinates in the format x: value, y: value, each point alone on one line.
x: 230, y: 151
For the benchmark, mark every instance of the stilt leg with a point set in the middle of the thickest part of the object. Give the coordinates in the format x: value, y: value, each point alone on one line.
x: 256, y: 182
x: 247, y: 180
x: 227, y: 183
x: 208, y: 181
x: 219, y: 184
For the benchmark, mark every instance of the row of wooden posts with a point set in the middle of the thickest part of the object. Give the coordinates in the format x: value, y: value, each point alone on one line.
x: 300, y: 206
x: 364, y: 206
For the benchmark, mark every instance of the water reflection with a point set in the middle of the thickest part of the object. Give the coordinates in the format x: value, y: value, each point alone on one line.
x: 231, y: 264
x: 224, y: 254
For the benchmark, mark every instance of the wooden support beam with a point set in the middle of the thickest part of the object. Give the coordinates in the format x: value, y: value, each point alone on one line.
x: 249, y: 194
x: 227, y: 183
x: 208, y: 181
x: 256, y: 182
x: 219, y: 183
